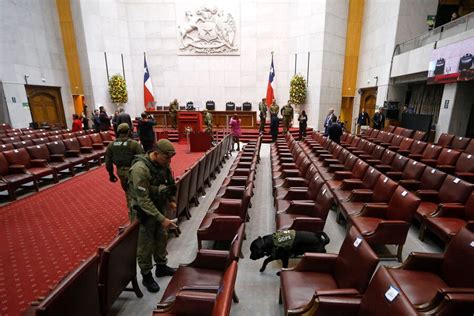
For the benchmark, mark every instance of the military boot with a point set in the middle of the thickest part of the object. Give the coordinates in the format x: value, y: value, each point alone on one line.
x: 163, y: 270
x: 150, y: 283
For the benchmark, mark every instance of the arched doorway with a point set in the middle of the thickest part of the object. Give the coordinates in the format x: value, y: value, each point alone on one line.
x: 46, y: 106
x: 368, y: 101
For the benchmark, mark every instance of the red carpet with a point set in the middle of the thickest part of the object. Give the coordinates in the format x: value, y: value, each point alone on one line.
x: 46, y: 235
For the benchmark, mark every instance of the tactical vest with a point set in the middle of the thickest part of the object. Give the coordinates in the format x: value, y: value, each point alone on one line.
x: 283, y: 240
x: 287, y: 111
x: 122, y: 153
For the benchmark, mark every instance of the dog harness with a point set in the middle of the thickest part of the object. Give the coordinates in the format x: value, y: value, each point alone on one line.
x: 283, y: 241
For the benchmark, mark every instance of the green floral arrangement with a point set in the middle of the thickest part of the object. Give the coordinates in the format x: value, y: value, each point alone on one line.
x: 118, y: 89
x: 298, y: 90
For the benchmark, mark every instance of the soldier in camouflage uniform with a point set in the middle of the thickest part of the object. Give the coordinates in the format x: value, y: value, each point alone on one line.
x: 262, y: 106
x: 208, y: 121
x: 120, y: 153
x: 287, y: 113
x: 274, y: 108
x: 152, y: 190
x: 173, y: 111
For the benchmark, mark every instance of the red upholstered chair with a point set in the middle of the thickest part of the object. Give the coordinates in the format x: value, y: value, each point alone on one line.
x: 449, y: 219
x: 118, y: 267
x: 381, y: 193
x: 372, y: 303
x: 460, y: 143
x: 328, y: 273
x: 76, y: 294
x: 54, y: 138
x: 367, y: 182
x: 89, y: 149
x: 394, y: 140
x: 363, y: 147
x: 358, y: 171
x: 431, y: 179
x: 69, y: 135
x: 384, y: 162
x: 41, y: 140
x: 37, y: 167
x: 419, y: 135
x: 440, y: 284
x: 347, y: 164
x: 5, y: 147
x: 445, y: 140
x: 398, y: 130
x: 229, y: 206
x: 13, y: 176
x: 411, y: 173
x: 284, y: 198
x: 57, y: 150
x: 305, y: 215
x: 376, y: 153
x: 11, y: 139
x: 396, y: 168
x: 58, y: 163
x: 219, y: 227
x: 445, y: 162
x: 470, y: 147
x: 465, y: 167
x: 407, y: 133
x: 388, y: 224
x: 206, y: 271
x: 23, y: 143
x: 182, y: 194
x: 416, y: 150
x: 205, y: 300
x: 404, y: 147
x: 28, y: 136
x: 391, y: 128
x: 453, y: 190
x: 106, y: 137
x: 281, y: 186
x: 75, y: 149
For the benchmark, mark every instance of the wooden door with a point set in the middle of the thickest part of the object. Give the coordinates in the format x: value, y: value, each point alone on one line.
x: 368, y: 101
x: 46, y: 106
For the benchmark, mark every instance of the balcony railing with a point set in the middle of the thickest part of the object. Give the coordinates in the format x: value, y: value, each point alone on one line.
x: 457, y: 26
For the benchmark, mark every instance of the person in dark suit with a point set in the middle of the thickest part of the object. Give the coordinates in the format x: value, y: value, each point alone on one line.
x: 104, y: 119
x: 145, y: 131
x: 379, y: 119
x: 124, y: 118
x: 335, y: 130
x: 328, y: 121
x: 363, y: 118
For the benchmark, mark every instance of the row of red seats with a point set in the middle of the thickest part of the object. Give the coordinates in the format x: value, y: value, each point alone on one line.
x: 401, y: 131
x: 311, y: 275
x: 206, y: 286
x: 48, y: 157
x: 58, y: 134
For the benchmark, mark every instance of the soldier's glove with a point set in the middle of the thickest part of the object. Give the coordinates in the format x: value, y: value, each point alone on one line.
x: 113, y: 178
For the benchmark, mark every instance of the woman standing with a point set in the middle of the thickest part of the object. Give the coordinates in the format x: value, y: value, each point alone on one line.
x: 76, y: 123
x: 235, y: 131
x: 303, y: 119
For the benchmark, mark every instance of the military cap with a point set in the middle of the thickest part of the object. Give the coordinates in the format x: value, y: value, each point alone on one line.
x: 123, y: 128
x: 164, y: 146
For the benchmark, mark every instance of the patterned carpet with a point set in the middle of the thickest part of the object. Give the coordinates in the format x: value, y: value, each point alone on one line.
x: 47, y: 234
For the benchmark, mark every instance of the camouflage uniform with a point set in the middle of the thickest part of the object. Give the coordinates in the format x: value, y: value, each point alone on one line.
x: 274, y: 109
x: 151, y: 187
x: 287, y: 113
x: 120, y: 153
x: 262, y: 106
x: 173, y: 111
x: 208, y: 121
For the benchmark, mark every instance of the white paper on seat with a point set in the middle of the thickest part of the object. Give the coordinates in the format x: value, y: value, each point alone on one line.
x: 392, y: 293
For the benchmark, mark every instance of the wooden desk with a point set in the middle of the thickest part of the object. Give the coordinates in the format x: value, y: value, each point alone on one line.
x: 220, y: 119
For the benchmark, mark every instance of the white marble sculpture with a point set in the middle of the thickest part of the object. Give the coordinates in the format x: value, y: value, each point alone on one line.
x: 208, y: 31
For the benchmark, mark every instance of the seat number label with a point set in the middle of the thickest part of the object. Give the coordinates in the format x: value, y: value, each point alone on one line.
x: 391, y: 293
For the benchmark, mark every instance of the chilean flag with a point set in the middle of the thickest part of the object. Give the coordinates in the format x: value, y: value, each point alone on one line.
x: 270, y: 95
x: 148, y: 89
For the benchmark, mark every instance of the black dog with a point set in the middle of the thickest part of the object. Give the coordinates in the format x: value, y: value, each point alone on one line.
x: 284, y: 244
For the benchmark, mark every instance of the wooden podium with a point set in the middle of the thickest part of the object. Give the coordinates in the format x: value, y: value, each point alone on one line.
x: 199, y: 141
x: 191, y: 119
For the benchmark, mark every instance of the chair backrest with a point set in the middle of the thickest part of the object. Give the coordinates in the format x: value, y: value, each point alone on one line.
x: 431, y: 152
x: 406, y: 143
x: 370, y: 178
x: 11, y: 139
x: 398, y: 130
x: 314, y: 186
x: 454, y: 190
x: 210, y: 105
x: 387, y: 138
x: 448, y: 157
x: 18, y: 156
x: 399, y: 162
x: 469, y: 208
x: 5, y: 147
x: 106, y: 136
x: 419, y: 135
x: 236, y: 245
x: 3, y: 165
x: 445, y: 140
x: 95, y: 138
x: 118, y: 265
x: 41, y: 140
x: 23, y: 143
x: 418, y: 147
x: 225, y: 294
x: 193, y: 182
x: 85, y: 141
x: 324, y: 201
x: 359, y: 169
x: 39, y: 152
x: 396, y: 140
x: 77, y: 294
x: 470, y: 148
x: 247, y: 106
x: 32, y: 136
x: 56, y: 148
x: 432, y: 179
x: 383, y: 190
x: 460, y: 143
x: 391, y: 128
x: 465, y: 163
x: 413, y: 170
x: 360, y: 258
x: 387, y: 157
x: 456, y: 269
x: 369, y: 147
x: 402, y: 205
x: 407, y: 132
x: 72, y: 144
x: 183, y: 191
x: 378, y: 152
x: 374, y: 302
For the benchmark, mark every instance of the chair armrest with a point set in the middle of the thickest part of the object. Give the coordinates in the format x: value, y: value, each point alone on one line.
x: 229, y: 207
x: 39, y: 162
x: 234, y: 192
x: 97, y: 146
x: 446, y: 168
x: 374, y: 210
x: 344, y: 304
x: 200, y: 287
x: 187, y: 300
x: 291, y: 173
x: 422, y: 261
x: 449, y: 210
x: 403, y: 152
x: 17, y: 169
x: 383, y: 168
x: 57, y: 157
x: 210, y: 259
x: 296, y: 182
x: 394, y: 175
x: 410, y: 184
x: 428, y: 195
x: 415, y: 156
x: 297, y: 193
x: 335, y: 167
x: 394, y: 148
x: 337, y: 292
x: 86, y: 149
x: 300, y: 208
x: 341, y: 175
x: 317, y: 262
x: 351, y: 184
x: 73, y: 153
x: 429, y: 162
x: 373, y: 162
x: 361, y: 195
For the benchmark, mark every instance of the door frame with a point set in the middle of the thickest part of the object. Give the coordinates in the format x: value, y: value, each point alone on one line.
x: 54, y: 93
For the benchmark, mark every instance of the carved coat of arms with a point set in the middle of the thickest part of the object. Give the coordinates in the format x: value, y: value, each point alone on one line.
x: 208, y: 30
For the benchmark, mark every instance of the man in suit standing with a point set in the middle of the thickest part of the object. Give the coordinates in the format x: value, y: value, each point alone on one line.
x: 363, y: 120
x: 328, y: 121
x: 379, y: 119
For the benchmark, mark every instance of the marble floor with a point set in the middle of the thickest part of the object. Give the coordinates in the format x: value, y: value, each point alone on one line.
x: 258, y: 292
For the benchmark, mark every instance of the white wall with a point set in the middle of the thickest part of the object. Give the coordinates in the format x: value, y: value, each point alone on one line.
x: 462, y: 108
x: 31, y: 44
x: 444, y: 119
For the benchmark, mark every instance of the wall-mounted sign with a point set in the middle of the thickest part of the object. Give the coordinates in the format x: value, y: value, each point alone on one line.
x: 446, y: 104
x: 452, y: 63
x: 13, y: 100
